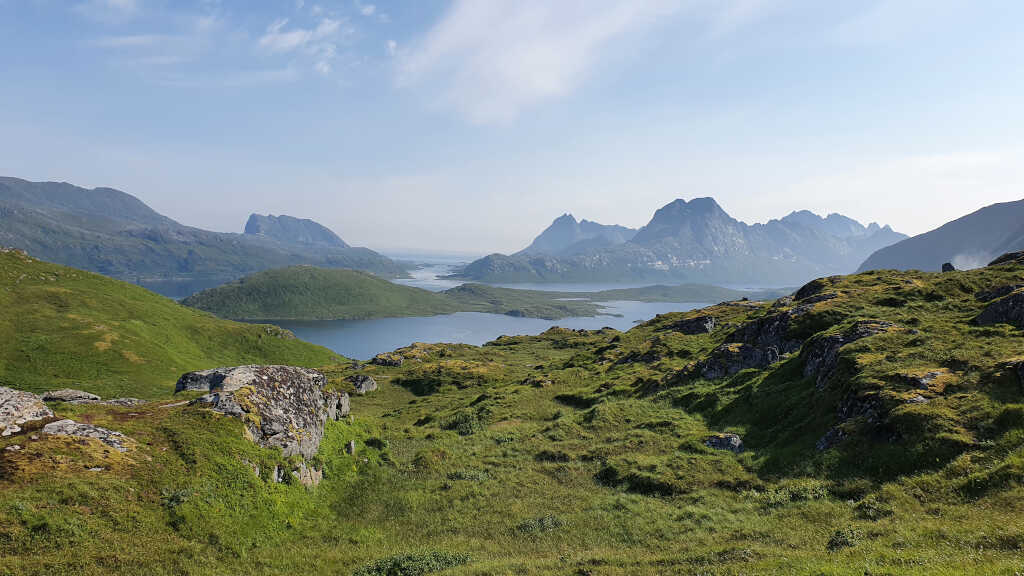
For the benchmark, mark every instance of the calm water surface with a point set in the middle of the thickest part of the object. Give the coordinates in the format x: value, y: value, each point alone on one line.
x: 362, y: 339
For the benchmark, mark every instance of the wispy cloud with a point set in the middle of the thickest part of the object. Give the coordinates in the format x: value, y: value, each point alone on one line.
x: 494, y: 58
x: 319, y: 42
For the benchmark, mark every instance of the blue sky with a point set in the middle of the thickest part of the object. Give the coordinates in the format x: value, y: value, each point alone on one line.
x: 470, y: 125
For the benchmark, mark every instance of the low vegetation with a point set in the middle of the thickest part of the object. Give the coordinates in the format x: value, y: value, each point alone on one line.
x: 882, y: 432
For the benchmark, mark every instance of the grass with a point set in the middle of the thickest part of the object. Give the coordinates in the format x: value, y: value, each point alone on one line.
x: 308, y: 293
x: 62, y: 327
x: 579, y: 452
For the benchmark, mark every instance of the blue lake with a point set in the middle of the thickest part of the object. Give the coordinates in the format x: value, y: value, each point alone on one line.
x: 362, y: 339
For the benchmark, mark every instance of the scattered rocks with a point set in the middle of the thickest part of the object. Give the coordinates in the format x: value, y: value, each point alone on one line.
x: 281, y: 406
x: 17, y: 408
x: 730, y: 442
x: 390, y: 360
x: 821, y: 354
x: 1009, y: 258
x: 362, y: 383
x: 308, y: 476
x: 948, y: 267
x: 115, y: 440
x: 1006, y: 310
x: 692, y: 326
x: 70, y: 395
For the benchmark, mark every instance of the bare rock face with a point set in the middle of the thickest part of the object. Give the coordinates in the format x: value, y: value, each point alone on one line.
x: 281, y: 406
x: 821, y: 354
x: 115, y: 440
x: 755, y: 344
x: 1006, y: 310
x: 70, y: 395
x: 17, y: 408
x: 390, y: 360
x: 363, y: 383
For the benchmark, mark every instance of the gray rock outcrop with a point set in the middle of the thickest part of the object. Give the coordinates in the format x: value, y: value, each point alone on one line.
x: 948, y: 267
x: 362, y: 383
x: 389, y: 360
x: 17, y: 408
x: 281, y: 406
x: 703, y: 324
x: 70, y: 395
x: 115, y: 440
x: 730, y: 442
x: 338, y: 404
x: 821, y: 354
x: 1006, y: 310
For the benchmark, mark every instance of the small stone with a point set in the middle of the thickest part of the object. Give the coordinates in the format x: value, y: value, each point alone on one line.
x: 730, y: 442
x: 13, y: 448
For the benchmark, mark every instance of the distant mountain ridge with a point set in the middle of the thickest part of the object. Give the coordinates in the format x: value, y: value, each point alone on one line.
x: 698, y: 241
x: 114, y: 233
x: 292, y: 230
x: 967, y: 242
x: 566, y: 236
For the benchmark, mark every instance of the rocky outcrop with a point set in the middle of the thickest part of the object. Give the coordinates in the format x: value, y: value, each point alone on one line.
x: 703, y: 324
x: 1009, y: 258
x: 17, y: 408
x: 362, y: 383
x: 867, y: 406
x: 997, y: 292
x: 338, y: 404
x: 730, y: 442
x: 115, y: 440
x: 815, y: 287
x: 948, y: 267
x: 390, y: 360
x: 728, y: 359
x: 123, y: 402
x: 821, y: 354
x: 1006, y: 310
x: 70, y: 395
x: 281, y: 406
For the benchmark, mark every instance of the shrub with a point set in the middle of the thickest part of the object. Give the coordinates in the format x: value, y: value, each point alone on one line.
x: 546, y: 523
x: 464, y: 423
x: 845, y: 538
x: 873, y: 508
x: 415, y: 564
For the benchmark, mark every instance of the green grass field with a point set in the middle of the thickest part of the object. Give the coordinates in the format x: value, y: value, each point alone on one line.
x: 582, y: 453
x: 62, y: 327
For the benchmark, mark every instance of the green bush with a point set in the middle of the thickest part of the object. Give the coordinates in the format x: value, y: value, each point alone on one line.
x: 414, y: 564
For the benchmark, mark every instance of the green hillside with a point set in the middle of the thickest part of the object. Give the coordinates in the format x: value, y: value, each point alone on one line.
x: 309, y: 293
x: 62, y: 327
x: 882, y: 426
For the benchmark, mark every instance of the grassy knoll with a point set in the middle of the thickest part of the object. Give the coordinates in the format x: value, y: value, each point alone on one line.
x: 62, y: 327
x: 308, y: 293
x: 584, y: 452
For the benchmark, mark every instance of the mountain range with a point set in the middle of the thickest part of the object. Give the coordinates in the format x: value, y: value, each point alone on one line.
x: 114, y: 233
x: 692, y: 240
x: 968, y: 242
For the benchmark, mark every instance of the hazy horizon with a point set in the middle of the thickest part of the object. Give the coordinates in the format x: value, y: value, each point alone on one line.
x: 468, y: 126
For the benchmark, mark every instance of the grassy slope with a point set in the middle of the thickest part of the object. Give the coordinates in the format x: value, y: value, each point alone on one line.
x: 308, y: 293
x: 581, y: 453
x: 64, y: 327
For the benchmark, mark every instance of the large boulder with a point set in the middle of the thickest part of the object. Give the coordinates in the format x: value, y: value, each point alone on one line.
x: 1006, y: 310
x: 17, y: 408
x: 115, y: 440
x: 70, y: 395
x: 281, y: 406
x: 363, y: 383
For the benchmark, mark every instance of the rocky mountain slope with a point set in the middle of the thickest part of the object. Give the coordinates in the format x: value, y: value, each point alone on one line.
x: 698, y: 241
x: 567, y: 236
x: 967, y: 242
x: 113, y: 233
x: 867, y: 423
x: 291, y: 230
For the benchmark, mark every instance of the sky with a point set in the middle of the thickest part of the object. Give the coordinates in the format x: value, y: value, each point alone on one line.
x: 469, y: 125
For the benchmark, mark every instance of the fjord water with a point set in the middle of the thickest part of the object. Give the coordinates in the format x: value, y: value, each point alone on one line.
x: 362, y: 339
